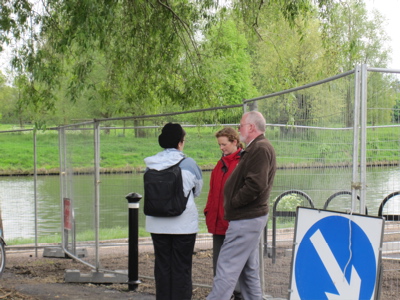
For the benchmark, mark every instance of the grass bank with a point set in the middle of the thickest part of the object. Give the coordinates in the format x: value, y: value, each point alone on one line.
x: 124, y: 150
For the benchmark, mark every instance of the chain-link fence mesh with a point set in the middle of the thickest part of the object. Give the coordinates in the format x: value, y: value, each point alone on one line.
x: 382, y: 161
x: 320, y: 164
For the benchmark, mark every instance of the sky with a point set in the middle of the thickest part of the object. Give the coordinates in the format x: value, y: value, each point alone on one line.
x: 390, y: 9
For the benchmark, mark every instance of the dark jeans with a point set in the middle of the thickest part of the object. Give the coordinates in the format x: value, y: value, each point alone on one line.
x: 218, y: 240
x: 173, y: 265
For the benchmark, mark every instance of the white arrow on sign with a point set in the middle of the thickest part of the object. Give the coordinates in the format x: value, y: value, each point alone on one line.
x: 345, y: 290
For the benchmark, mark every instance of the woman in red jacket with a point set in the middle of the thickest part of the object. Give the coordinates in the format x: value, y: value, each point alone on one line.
x: 231, y: 147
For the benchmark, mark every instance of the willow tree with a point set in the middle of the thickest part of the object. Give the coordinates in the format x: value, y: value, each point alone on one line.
x: 149, y: 50
x: 8, y: 99
x: 332, y: 39
x: 352, y: 37
x: 285, y: 57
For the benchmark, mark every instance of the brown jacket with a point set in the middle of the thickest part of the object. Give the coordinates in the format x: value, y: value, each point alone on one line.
x: 247, y: 190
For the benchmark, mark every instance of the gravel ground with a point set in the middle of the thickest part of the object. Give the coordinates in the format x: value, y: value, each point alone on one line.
x: 29, y: 277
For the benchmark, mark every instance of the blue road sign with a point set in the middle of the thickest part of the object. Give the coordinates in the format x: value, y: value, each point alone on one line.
x: 335, y: 260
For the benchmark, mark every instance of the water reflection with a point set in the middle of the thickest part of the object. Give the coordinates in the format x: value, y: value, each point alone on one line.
x: 17, y: 197
x: 17, y: 207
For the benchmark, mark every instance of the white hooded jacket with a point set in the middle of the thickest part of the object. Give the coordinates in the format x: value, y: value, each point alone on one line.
x: 187, y: 222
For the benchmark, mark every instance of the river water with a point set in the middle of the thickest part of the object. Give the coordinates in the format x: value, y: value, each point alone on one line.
x: 18, y: 205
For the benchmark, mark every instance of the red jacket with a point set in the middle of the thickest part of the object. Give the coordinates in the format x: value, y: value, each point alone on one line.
x: 214, y: 210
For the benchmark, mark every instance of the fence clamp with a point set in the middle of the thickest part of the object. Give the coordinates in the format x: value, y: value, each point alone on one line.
x: 356, y: 185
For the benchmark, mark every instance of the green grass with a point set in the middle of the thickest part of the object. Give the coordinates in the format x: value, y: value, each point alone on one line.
x: 118, y: 232
x: 88, y: 235
x: 107, y: 234
x: 125, y: 152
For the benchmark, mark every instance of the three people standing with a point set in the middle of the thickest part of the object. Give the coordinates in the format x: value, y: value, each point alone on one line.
x: 245, y: 178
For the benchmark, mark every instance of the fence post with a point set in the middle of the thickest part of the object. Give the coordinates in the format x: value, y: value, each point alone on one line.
x: 35, y: 189
x: 363, y: 138
x: 96, y: 146
x: 356, y: 184
x: 133, y: 243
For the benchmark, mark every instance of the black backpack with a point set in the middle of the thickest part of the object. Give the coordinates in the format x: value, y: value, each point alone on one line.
x: 163, y: 192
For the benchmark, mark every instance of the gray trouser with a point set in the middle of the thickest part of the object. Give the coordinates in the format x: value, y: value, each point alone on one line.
x: 218, y: 241
x: 239, y: 259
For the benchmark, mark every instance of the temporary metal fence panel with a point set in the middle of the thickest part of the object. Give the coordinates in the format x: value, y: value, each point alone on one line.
x: 326, y: 161
x: 382, y: 158
x: 77, y: 146
x: 17, y: 192
x: 46, y: 192
x: 30, y: 203
x: 311, y: 129
x: 136, y: 138
x: 93, y: 185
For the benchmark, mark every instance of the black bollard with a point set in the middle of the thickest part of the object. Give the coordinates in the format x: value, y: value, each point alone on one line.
x: 133, y: 256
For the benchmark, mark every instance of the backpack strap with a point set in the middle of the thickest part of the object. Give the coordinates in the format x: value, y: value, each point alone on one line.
x: 181, y: 160
x: 178, y: 163
x: 192, y: 190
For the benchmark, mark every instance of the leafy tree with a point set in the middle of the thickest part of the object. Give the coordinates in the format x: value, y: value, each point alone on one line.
x: 381, y: 94
x: 8, y: 100
x: 115, y: 58
x: 351, y: 37
x: 396, y: 108
x: 227, y: 63
x: 147, y: 50
x: 286, y: 57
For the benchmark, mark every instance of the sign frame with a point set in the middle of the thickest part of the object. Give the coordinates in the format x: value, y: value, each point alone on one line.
x: 366, y: 228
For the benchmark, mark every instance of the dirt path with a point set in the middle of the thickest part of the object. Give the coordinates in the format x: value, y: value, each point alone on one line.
x: 27, y: 277
x: 30, y: 277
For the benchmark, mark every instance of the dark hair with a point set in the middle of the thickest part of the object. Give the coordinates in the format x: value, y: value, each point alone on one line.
x: 171, y: 135
x: 231, y: 134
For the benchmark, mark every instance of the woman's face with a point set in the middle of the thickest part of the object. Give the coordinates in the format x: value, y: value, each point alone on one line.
x: 226, y: 146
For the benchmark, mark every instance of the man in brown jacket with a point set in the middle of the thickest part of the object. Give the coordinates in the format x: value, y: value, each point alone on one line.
x: 246, y: 205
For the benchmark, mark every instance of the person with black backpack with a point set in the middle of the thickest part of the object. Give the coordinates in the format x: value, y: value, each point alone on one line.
x: 172, y: 216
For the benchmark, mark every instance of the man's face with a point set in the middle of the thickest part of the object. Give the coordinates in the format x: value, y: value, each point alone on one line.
x: 244, y: 130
